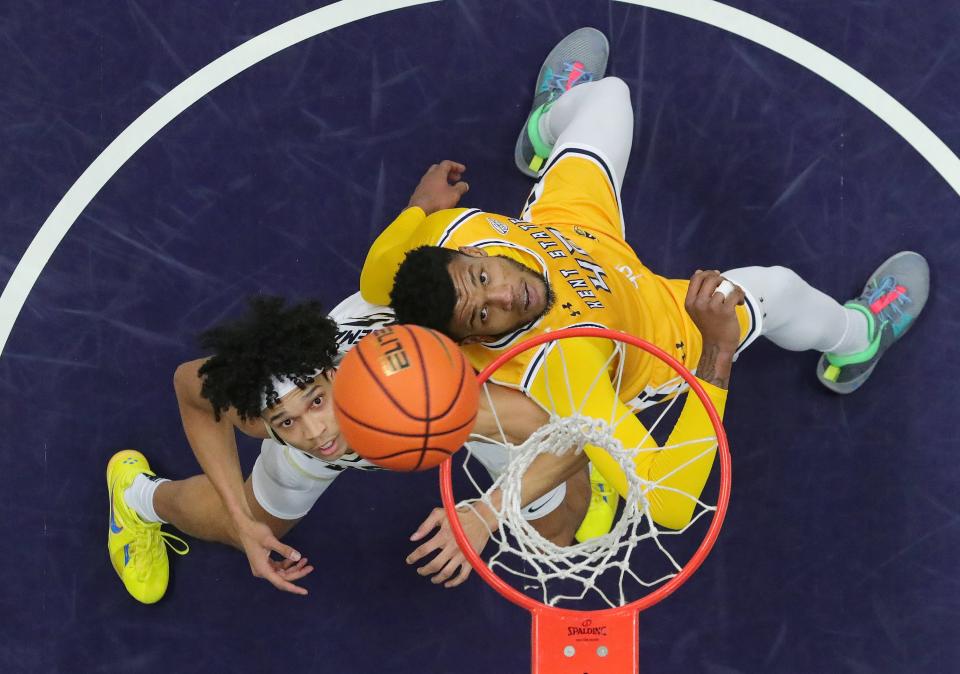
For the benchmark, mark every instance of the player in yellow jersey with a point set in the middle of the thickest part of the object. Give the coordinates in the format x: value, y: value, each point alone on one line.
x: 489, y: 281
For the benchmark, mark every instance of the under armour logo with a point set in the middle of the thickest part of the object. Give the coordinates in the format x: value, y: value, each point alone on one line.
x: 568, y: 306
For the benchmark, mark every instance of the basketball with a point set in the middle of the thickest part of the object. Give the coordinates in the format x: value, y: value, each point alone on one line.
x: 405, y: 398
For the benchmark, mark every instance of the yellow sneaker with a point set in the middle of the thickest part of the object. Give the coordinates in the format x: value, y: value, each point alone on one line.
x: 138, y: 549
x: 602, y: 510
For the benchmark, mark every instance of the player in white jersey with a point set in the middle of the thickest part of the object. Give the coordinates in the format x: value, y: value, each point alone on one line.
x: 286, y: 400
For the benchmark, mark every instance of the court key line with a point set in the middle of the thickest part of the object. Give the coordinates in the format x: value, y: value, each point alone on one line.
x: 727, y: 18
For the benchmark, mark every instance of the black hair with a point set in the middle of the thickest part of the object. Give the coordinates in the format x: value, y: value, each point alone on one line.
x: 269, y: 341
x: 423, y: 292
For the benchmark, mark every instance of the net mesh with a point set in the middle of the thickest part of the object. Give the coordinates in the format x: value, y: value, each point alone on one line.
x: 637, y: 555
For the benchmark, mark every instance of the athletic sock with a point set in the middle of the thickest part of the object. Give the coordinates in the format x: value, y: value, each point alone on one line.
x: 139, y: 496
x: 543, y: 126
x: 855, y: 338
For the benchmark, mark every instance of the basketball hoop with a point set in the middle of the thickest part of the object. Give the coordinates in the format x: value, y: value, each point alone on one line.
x: 604, y: 640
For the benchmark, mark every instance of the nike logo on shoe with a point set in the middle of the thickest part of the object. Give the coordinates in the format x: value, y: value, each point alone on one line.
x: 577, y: 71
x: 114, y: 527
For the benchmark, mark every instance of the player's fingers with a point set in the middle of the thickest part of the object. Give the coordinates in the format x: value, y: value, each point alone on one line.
x: 287, y: 564
x: 727, y: 293
x: 275, y: 579
x: 281, y: 549
x: 287, y: 586
x: 436, y: 516
x: 296, y: 574
x: 711, y: 281
x: 451, y: 166
x: 465, y: 570
x: 693, y: 288
x: 443, y: 575
x: 462, y: 187
x: 716, y: 300
x: 435, y: 543
x: 434, y: 564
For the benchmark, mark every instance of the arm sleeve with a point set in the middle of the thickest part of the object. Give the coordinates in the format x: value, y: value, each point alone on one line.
x: 677, y: 471
x: 386, y: 254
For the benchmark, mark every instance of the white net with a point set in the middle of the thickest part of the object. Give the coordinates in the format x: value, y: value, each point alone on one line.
x: 638, y: 554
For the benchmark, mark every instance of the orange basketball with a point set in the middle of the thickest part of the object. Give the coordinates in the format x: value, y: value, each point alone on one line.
x: 405, y: 398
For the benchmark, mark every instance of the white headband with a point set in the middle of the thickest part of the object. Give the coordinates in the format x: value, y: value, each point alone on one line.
x: 282, y: 386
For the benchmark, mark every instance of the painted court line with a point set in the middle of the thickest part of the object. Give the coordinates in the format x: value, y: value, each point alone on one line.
x: 56, y: 226
x: 156, y: 117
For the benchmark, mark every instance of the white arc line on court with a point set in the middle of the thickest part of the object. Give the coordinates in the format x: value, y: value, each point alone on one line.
x: 827, y: 66
x: 764, y: 33
x: 157, y: 116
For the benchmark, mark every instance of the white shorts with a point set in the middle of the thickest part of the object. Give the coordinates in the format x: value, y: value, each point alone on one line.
x: 287, y: 482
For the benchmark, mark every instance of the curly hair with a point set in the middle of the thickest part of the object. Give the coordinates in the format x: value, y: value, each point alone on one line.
x: 270, y: 341
x: 423, y: 292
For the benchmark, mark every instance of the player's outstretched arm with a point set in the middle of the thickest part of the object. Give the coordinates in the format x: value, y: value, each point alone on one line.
x: 547, y: 471
x: 214, y: 444
x: 440, y: 188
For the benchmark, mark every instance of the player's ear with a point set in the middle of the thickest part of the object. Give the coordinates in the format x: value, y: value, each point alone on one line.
x: 473, y: 251
x: 330, y: 373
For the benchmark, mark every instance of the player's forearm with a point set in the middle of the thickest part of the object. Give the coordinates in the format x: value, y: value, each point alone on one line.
x: 213, y: 442
x: 386, y: 254
x: 546, y: 472
x: 715, y: 365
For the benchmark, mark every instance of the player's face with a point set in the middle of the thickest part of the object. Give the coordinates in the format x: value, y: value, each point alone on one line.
x: 304, y: 419
x: 495, y: 295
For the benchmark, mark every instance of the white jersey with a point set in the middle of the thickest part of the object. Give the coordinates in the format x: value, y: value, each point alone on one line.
x: 287, y: 481
x: 356, y: 318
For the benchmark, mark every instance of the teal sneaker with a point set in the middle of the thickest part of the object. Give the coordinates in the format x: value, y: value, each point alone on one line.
x: 579, y: 57
x: 891, y: 301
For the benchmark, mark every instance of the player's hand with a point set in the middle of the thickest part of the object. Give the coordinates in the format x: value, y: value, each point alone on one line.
x: 450, y: 566
x: 258, y: 542
x: 440, y: 187
x: 713, y: 314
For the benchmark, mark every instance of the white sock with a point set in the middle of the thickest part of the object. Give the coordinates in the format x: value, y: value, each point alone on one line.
x: 855, y: 338
x: 543, y: 126
x: 139, y: 496
x: 797, y: 316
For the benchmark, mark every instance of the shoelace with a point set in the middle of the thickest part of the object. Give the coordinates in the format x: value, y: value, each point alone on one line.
x: 557, y: 83
x: 154, y: 540
x: 886, y: 298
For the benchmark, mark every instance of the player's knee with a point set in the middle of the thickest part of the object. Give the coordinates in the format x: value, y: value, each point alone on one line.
x: 615, y: 91
x: 781, y: 283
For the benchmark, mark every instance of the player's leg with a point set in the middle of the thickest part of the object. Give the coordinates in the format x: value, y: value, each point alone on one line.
x: 194, y: 507
x: 597, y: 116
x: 558, y: 520
x: 556, y: 515
x: 279, y: 492
x: 852, y: 336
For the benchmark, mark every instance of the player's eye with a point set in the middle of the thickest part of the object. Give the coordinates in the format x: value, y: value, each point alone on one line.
x: 483, y: 315
x: 286, y: 423
x: 318, y: 401
x: 484, y: 278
